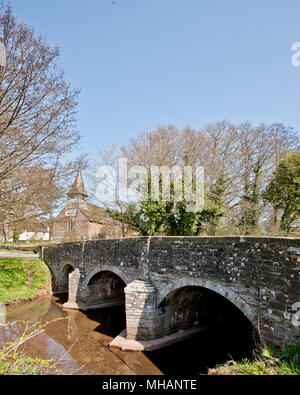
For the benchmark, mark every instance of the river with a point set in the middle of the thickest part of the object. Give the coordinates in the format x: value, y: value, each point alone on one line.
x: 80, y: 342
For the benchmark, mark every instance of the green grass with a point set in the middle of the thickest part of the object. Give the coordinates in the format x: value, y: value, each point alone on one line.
x: 270, y: 362
x: 14, y: 278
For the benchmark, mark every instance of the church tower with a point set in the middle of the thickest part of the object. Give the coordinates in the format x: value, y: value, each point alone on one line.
x: 77, y: 196
x: 81, y: 220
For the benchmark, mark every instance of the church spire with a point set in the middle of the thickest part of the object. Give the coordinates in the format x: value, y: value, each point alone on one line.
x: 78, y: 186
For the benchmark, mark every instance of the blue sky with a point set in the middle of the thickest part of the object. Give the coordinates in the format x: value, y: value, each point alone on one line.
x: 143, y: 62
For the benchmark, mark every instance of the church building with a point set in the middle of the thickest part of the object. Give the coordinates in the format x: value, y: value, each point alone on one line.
x: 80, y: 220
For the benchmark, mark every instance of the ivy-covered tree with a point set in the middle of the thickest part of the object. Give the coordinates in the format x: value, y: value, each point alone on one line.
x: 283, y: 192
x: 172, y: 218
x: 251, y: 203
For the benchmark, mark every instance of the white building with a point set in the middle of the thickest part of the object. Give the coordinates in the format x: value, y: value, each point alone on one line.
x: 34, y: 233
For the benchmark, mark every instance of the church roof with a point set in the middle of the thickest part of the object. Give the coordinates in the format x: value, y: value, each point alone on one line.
x: 98, y: 215
x: 78, y: 186
x: 93, y: 213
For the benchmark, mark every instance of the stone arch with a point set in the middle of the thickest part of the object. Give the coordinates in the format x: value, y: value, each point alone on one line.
x: 63, y: 278
x: 215, y: 287
x: 55, y: 276
x: 52, y: 271
x: 65, y: 266
x: 105, y: 268
x: 104, y: 286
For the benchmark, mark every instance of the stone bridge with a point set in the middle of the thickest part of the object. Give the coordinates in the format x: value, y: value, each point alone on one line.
x: 176, y: 285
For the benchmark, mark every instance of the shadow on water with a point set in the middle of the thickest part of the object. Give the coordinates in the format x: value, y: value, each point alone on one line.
x: 112, y: 320
x: 61, y: 298
x: 211, y: 348
x: 230, y: 335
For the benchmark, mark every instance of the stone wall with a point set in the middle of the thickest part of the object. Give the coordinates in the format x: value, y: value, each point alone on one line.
x: 260, y: 276
x: 80, y: 229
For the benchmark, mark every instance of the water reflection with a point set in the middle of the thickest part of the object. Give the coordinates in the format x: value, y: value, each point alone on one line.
x: 79, y: 342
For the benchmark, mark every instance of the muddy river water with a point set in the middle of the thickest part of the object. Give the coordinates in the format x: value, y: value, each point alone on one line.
x: 80, y: 342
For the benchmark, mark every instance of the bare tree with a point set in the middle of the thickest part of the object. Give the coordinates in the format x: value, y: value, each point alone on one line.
x: 37, y: 122
x: 238, y: 158
x: 119, y: 210
x: 158, y: 147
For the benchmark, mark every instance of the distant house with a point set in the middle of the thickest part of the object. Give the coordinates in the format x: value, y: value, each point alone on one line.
x: 35, y: 235
x: 80, y: 220
x: 32, y: 232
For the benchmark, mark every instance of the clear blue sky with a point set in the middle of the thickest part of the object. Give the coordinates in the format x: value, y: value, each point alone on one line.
x: 143, y: 62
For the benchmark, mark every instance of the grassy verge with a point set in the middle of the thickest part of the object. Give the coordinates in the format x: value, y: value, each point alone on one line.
x: 270, y: 362
x: 15, y: 275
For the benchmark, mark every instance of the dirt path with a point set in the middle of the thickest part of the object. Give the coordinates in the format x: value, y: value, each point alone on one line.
x: 30, y: 275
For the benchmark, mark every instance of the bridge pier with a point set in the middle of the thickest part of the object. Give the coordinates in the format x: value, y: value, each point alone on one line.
x: 141, y: 311
x: 143, y: 321
x: 74, y: 281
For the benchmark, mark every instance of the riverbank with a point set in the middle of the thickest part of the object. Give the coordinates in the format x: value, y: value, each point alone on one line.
x: 270, y: 362
x: 23, y: 279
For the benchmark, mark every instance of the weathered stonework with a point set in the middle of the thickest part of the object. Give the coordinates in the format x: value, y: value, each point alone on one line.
x: 260, y: 276
x: 141, y: 311
x: 74, y: 280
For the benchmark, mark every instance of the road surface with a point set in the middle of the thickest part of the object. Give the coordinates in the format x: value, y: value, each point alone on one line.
x: 8, y: 254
